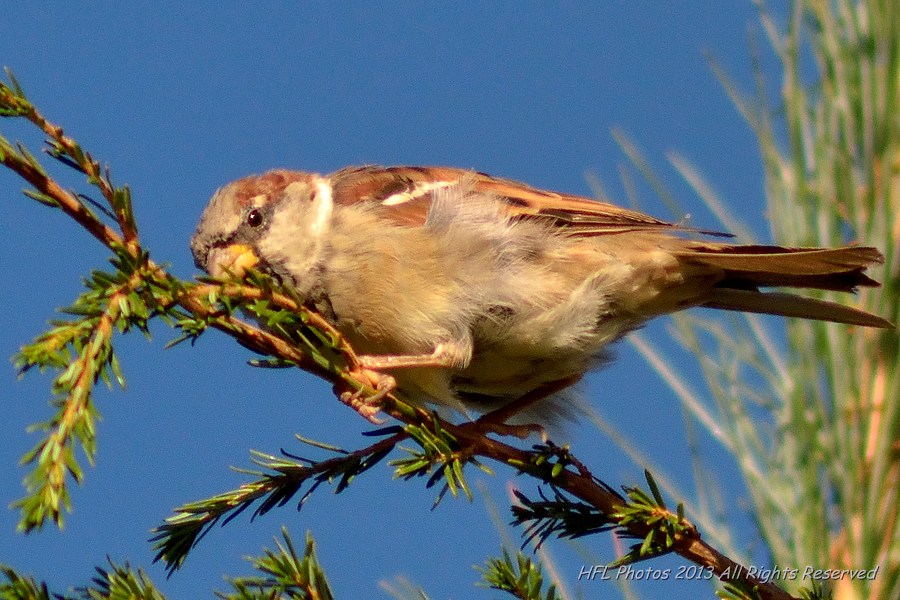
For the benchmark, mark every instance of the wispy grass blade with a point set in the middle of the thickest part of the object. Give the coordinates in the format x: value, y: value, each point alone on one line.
x: 810, y: 413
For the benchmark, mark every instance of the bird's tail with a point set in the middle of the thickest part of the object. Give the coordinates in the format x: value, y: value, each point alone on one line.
x: 745, y: 269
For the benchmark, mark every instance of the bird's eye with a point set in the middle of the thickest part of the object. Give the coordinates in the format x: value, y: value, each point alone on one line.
x: 254, y: 218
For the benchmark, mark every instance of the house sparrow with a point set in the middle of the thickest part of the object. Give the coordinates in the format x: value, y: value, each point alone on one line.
x: 476, y: 292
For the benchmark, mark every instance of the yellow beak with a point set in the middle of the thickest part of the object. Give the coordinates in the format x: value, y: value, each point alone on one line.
x: 235, y: 260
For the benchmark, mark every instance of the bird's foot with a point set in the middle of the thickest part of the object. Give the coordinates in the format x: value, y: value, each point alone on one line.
x: 365, y: 404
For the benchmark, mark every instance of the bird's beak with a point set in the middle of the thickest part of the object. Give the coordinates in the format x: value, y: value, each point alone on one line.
x: 234, y: 260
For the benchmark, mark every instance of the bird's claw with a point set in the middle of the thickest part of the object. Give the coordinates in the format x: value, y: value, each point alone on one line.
x: 369, y: 405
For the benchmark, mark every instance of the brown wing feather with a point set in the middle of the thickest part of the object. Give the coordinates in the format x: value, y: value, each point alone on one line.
x: 401, y: 191
x: 405, y: 194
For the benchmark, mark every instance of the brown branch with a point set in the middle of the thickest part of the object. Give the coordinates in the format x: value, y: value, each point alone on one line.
x: 283, y: 301
x: 584, y: 486
x: 68, y: 203
x: 254, y: 337
x: 62, y: 144
x: 473, y: 438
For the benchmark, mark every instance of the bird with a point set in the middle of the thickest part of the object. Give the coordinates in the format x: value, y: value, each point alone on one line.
x: 487, y: 295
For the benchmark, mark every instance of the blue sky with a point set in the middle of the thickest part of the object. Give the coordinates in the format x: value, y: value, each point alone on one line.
x: 179, y: 100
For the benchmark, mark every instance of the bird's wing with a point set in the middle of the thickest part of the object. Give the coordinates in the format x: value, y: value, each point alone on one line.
x: 404, y: 194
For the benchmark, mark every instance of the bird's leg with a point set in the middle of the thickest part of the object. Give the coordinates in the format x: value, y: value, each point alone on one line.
x: 496, y: 419
x: 444, y: 355
x: 369, y: 369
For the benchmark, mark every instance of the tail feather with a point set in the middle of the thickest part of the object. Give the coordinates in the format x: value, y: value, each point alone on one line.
x: 742, y: 270
x: 749, y: 267
x: 790, y: 305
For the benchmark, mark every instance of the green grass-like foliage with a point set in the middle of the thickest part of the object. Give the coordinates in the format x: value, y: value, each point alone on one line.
x: 810, y: 412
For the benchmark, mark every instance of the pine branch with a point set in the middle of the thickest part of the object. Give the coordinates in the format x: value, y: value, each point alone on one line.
x: 119, y: 582
x: 521, y: 579
x: 281, y: 479
x: 139, y: 290
x: 20, y: 587
x: 283, y: 573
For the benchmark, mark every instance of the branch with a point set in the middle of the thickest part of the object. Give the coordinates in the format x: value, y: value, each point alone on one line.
x: 281, y: 573
x: 292, y: 335
x: 282, y: 479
